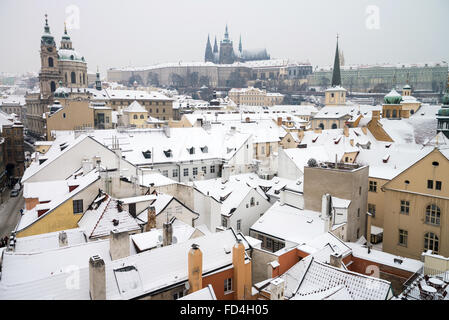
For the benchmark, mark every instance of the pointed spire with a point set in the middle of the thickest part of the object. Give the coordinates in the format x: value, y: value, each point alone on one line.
x: 46, y: 27
x: 215, y: 45
x: 65, y: 27
x: 208, y: 56
x: 336, y: 76
x: 240, y: 44
x: 226, y: 32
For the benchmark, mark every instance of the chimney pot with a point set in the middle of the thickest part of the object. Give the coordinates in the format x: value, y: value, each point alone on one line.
x: 97, y: 278
x: 63, y: 239
x: 195, y: 265
x: 119, y: 244
x: 151, y: 223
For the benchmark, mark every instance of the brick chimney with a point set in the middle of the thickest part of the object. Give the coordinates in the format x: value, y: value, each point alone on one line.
x: 97, y: 278
x: 364, y: 130
x: 346, y: 131
x: 151, y: 224
x: 279, y: 122
x: 375, y: 115
x: 119, y: 244
x: 195, y: 262
x: 167, y: 233
x: 63, y: 242
x: 277, y: 289
x: 238, y: 262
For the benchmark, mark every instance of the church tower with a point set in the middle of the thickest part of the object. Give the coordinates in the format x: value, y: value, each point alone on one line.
x: 49, y: 75
x: 226, y: 49
x: 208, y: 56
x: 336, y: 94
x: 66, y: 42
x: 98, y: 81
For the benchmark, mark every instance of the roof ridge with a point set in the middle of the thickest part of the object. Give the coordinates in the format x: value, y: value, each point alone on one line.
x: 101, y: 216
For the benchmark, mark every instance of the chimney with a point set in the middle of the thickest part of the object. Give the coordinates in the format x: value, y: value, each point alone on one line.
x: 375, y: 115
x: 151, y: 224
x: 335, y: 259
x: 63, y: 239
x: 238, y: 262
x: 36, y: 156
x: 317, y: 130
x: 326, y: 210
x: 277, y: 289
x: 279, y: 122
x: 364, y: 130
x: 351, y: 142
x: 225, y: 173
x: 300, y: 135
x: 119, y: 244
x: 166, y: 131
x: 282, y: 198
x: 167, y: 233
x: 97, y: 278
x: 195, y: 261
x: 87, y: 166
x: 346, y: 131
x: 247, y: 119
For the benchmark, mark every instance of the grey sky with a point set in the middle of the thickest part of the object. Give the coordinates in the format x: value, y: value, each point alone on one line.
x: 116, y: 33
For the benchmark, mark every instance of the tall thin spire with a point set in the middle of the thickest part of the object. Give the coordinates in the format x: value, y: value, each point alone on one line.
x: 215, y: 45
x: 240, y: 44
x: 336, y: 76
x: 208, y: 56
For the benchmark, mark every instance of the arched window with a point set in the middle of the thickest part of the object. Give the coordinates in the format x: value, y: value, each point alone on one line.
x: 52, y: 86
x: 431, y: 242
x: 334, y: 126
x: 84, y: 78
x: 135, y: 116
x: 394, y: 113
x: 252, y: 202
x: 65, y: 76
x: 142, y: 116
x: 50, y: 62
x: 433, y: 214
x: 321, y: 125
x: 73, y: 77
x: 80, y: 79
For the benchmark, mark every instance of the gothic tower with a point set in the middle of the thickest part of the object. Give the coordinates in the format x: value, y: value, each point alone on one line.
x: 226, y: 49
x: 208, y: 56
x: 49, y: 75
x: 336, y: 76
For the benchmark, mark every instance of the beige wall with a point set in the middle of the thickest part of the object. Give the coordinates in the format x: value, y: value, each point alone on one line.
x: 419, y: 197
x: 337, y: 97
x: 377, y: 198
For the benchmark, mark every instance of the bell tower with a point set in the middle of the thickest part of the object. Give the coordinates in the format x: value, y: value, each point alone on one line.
x: 49, y: 74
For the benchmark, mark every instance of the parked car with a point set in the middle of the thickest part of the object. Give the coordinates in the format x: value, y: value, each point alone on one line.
x: 14, y: 193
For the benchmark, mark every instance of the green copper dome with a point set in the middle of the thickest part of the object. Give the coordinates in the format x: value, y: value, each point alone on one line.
x: 445, y: 99
x: 393, y: 97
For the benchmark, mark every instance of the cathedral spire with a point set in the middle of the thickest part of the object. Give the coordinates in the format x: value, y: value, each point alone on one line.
x: 240, y: 44
x: 215, y: 45
x: 336, y: 76
x: 208, y: 56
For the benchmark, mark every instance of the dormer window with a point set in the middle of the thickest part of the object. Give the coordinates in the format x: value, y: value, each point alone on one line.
x: 168, y: 153
x: 204, y: 149
x: 147, y: 154
x: 191, y: 150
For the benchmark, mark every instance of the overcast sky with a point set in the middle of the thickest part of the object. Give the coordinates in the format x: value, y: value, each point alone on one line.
x: 112, y: 33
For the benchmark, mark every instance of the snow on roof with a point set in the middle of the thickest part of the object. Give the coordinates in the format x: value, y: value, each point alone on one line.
x: 324, y: 241
x: 105, y: 216
x: 207, y: 293
x: 122, y: 94
x: 229, y: 194
x: 12, y: 100
x: 42, y: 276
x: 310, y: 277
x: 376, y: 230
x: 154, y: 178
x: 154, y: 238
x: 31, y: 216
x: 48, y: 241
x: 159, y: 204
x: 135, y: 107
x: 361, y: 251
x: 285, y: 222
x: 137, y: 199
x: 220, y: 144
x: 45, y: 190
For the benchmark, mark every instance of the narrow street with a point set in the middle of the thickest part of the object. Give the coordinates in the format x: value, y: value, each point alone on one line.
x: 10, y: 212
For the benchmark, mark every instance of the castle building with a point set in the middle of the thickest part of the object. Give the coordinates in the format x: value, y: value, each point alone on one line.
x: 226, y: 53
x: 64, y: 66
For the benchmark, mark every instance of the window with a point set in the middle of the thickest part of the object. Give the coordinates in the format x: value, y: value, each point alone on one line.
x: 239, y: 224
x: 186, y: 172
x: 135, y: 116
x: 165, y: 173
x: 269, y: 243
x: 50, y: 62
x: 437, y: 185
x: 252, y: 202
x: 228, y: 285
x: 212, y: 169
x: 373, y: 186
x: 142, y: 116
x: 405, y: 207
x: 52, y: 86
x: 175, y: 173
x: 203, y: 169
x: 358, y: 212
x: 433, y: 214
x: 195, y: 171
x: 178, y: 295
x: 403, y: 237
x: 73, y: 77
x: 224, y: 222
x: 431, y: 242
x: 78, y: 206
x: 372, y: 209
x: 429, y: 184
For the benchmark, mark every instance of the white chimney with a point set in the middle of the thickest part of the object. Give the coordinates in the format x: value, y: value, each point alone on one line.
x: 63, y: 241
x: 166, y: 131
x: 335, y: 259
x: 282, y: 198
x: 277, y: 289
x: 119, y: 244
x: 225, y: 173
x: 87, y: 166
x: 97, y: 278
x: 326, y: 210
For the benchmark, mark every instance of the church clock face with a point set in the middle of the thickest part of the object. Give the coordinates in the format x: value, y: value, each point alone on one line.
x: 50, y: 49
